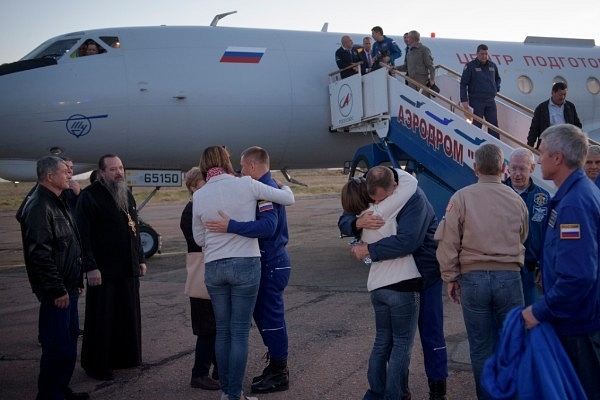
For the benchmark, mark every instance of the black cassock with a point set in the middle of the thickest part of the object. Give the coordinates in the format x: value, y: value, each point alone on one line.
x: 111, y: 243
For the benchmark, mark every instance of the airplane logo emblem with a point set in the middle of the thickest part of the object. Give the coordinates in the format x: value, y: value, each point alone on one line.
x: 79, y: 125
x: 345, y: 100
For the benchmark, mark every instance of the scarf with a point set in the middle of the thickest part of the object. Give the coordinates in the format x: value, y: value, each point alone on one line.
x: 214, y: 171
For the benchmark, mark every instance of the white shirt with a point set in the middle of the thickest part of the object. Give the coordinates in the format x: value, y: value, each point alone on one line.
x: 237, y: 198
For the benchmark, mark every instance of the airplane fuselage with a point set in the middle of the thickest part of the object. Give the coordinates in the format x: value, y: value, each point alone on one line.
x: 162, y: 94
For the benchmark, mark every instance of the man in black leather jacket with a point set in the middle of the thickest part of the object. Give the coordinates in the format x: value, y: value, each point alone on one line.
x: 556, y: 110
x: 52, y: 251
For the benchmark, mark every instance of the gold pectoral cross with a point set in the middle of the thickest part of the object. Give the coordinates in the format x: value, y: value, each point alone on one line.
x: 131, y: 224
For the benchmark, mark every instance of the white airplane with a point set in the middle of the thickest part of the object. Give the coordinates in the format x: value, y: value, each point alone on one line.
x: 157, y: 96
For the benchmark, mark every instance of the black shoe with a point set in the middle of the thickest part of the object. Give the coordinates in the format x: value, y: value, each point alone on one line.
x: 262, y: 376
x: 272, y: 383
x: 276, y: 378
x: 107, y: 375
x: 204, y: 382
x: 77, y: 396
x: 437, y: 390
x: 265, y: 371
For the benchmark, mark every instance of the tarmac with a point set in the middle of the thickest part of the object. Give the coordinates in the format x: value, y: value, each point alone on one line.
x: 328, y: 311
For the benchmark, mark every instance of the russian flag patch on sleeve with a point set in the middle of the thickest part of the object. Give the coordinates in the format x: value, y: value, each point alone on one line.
x: 570, y: 231
x: 264, y: 205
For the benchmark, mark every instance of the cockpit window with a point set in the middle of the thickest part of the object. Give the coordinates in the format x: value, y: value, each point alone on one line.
x: 54, y: 50
x: 111, y: 41
x: 49, y: 53
x: 89, y: 48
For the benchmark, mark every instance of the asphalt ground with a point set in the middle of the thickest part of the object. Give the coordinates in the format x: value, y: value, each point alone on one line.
x: 329, y: 316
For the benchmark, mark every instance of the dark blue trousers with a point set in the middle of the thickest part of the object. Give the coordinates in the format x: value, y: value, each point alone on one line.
x: 584, y: 352
x: 269, y: 309
x: 58, y: 331
x: 431, y: 332
x: 488, y: 111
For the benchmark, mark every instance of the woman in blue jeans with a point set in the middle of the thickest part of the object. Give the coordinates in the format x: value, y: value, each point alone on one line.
x: 232, y: 262
x: 394, y: 286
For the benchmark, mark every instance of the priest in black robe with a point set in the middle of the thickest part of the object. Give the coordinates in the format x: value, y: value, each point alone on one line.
x: 113, y: 261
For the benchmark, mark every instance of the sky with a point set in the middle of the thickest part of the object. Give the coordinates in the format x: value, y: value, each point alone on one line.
x: 24, y: 24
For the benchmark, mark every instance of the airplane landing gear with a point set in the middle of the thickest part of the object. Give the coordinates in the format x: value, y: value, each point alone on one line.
x: 151, y: 242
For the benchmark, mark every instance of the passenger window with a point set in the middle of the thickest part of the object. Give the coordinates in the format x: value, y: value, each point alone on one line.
x: 525, y: 84
x: 593, y: 85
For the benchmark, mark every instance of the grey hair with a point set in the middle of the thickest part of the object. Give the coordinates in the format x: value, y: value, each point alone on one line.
x: 192, y: 177
x: 415, y: 35
x: 593, y: 149
x: 489, y: 159
x: 569, y: 140
x: 522, y: 152
x: 47, y: 165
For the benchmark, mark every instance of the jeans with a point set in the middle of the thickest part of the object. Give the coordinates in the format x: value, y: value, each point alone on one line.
x: 233, y: 286
x: 584, y: 352
x: 269, y: 310
x: 431, y: 332
x: 396, y: 316
x: 58, y: 331
x: 486, y: 298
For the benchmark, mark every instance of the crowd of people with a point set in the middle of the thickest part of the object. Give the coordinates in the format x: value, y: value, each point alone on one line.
x: 71, y: 235
x: 479, y: 82
x: 500, y: 245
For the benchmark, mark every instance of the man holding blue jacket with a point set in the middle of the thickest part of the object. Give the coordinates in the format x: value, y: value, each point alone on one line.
x: 570, y: 260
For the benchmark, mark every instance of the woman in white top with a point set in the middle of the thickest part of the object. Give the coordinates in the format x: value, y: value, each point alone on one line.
x: 232, y: 262
x: 394, y: 285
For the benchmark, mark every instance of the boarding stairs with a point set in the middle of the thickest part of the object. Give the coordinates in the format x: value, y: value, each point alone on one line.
x: 431, y: 137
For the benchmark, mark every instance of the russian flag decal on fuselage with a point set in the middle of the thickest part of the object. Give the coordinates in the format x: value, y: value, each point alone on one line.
x: 247, y: 55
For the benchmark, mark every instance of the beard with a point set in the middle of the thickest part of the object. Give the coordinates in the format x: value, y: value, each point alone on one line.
x: 118, y: 190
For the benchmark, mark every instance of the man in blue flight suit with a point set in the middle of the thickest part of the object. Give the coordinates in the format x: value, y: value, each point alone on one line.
x: 271, y: 230
x: 385, y: 48
x: 414, y: 235
x: 521, y: 166
x: 570, y: 260
x: 479, y: 84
